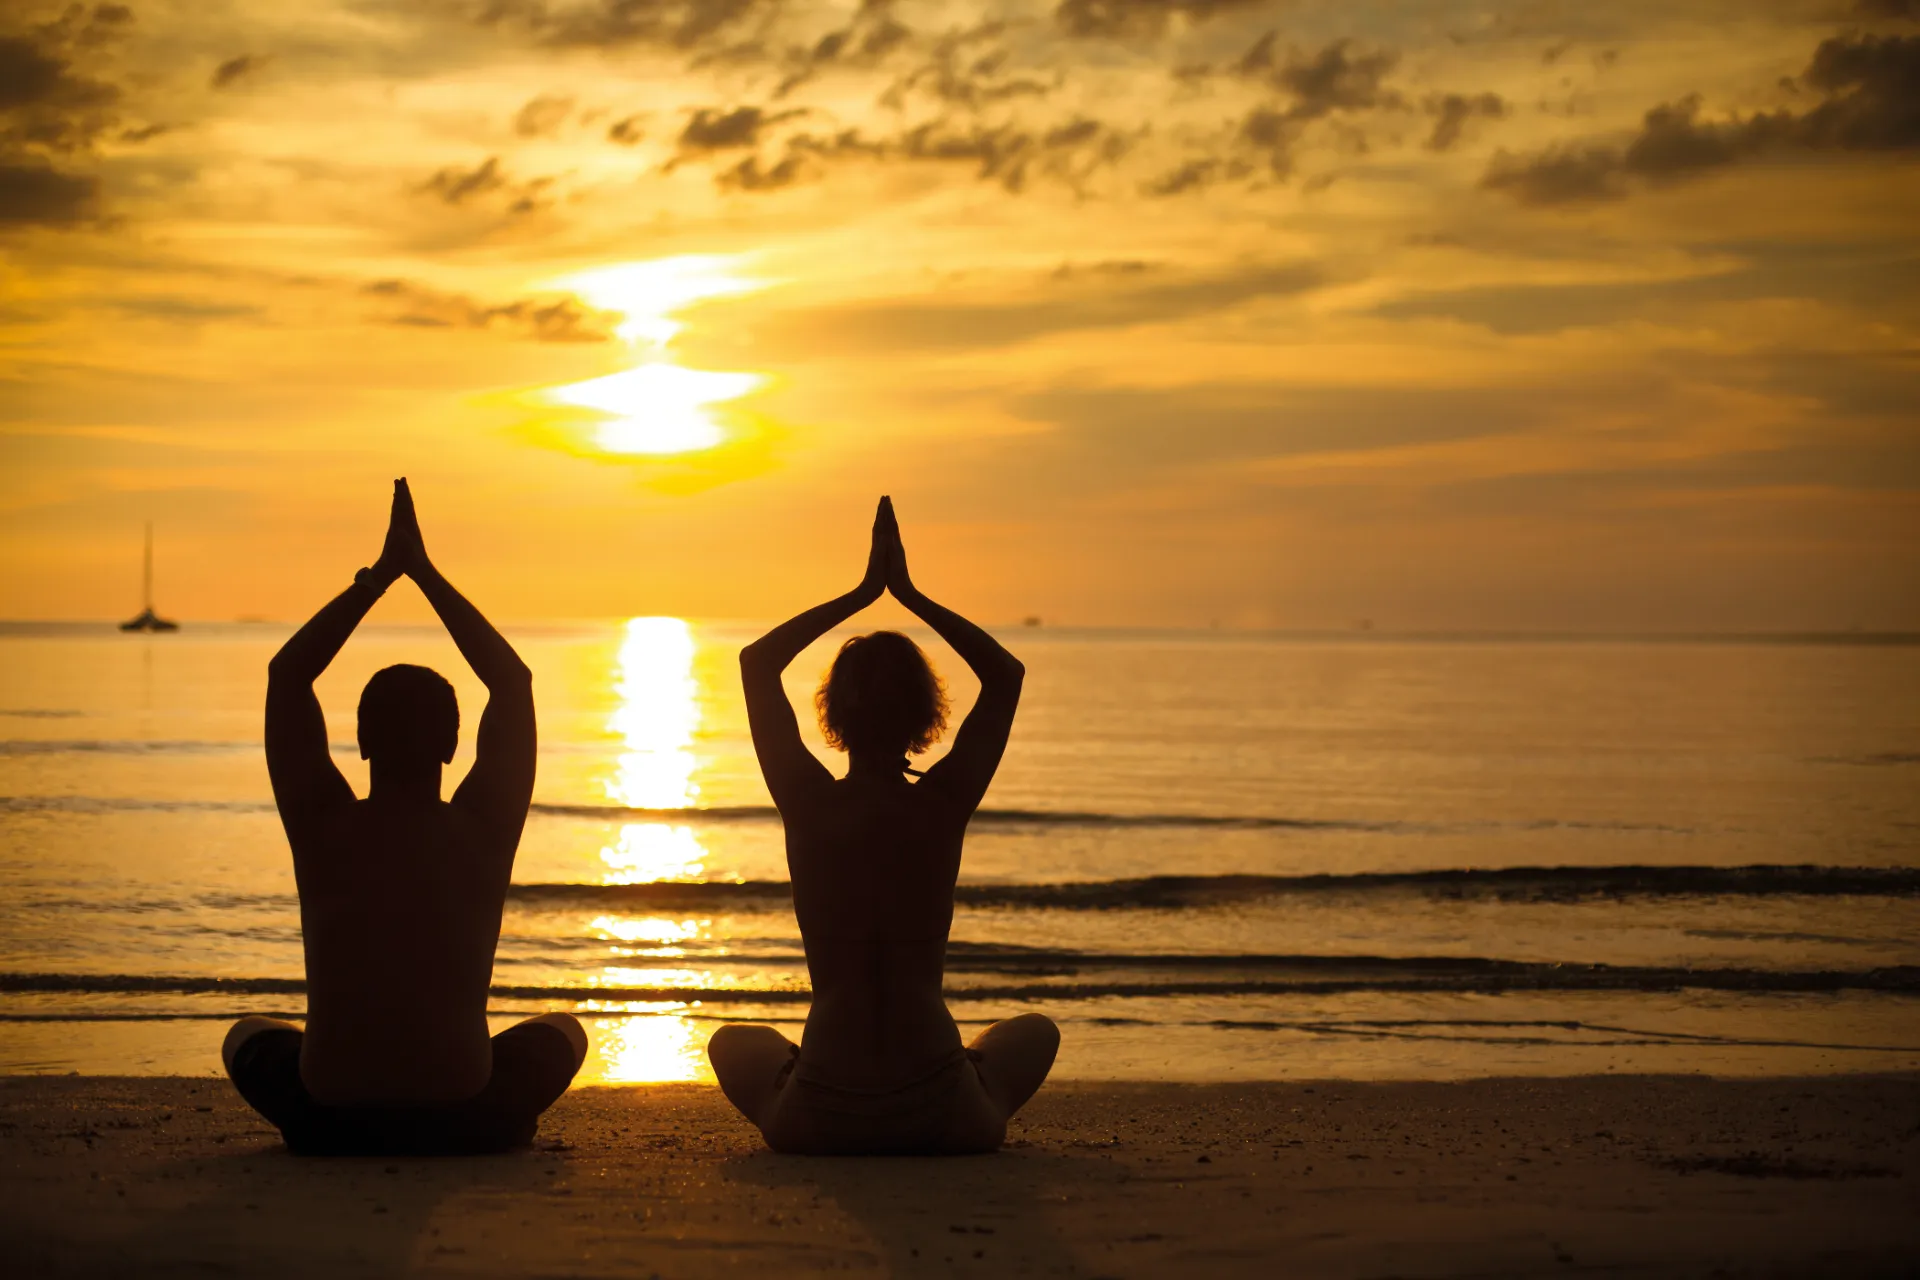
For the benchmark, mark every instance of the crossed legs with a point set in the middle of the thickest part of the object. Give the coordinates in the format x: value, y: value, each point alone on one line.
x: 747, y: 1061
x: 245, y: 1029
x: 1011, y: 1057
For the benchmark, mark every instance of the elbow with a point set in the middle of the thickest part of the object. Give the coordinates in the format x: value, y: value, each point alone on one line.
x: 752, y: 659
x: 514, y: 674
x: 1013, y: 672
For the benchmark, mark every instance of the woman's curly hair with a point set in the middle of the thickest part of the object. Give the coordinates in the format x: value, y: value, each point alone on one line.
x: 881, y: 694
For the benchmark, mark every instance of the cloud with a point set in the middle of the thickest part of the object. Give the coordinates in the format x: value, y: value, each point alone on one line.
x: 44, y: 104
x: 750, y: 175
x: 50, y: 114
x: 82, y: 28
x: 555, y: 320
x: 542, y: 116
x: 680, y: 24
x: 1452, y: 111
x: 1563, y: 174
x: 806, y: 155
x: 455, y: 186
x: 715, y: 129
x: 26, y: 73
x: 1339, y: 79
x: 1871, y: 103
x: 1190, y: 176
x: 234, y: 70
x: 34, y: 192
x: 627, y: 131
x: 1873, y: 88
x: 868, y: 39
x: 1334, y: 79
x: 961, y: 73
x: 1009, y: 154
x: 1138, y: 18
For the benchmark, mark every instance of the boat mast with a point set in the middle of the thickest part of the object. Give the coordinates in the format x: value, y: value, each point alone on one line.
x: 146, y: 577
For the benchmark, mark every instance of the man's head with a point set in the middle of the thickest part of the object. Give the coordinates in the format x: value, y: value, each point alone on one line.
x: 409, y: 718
x: 881, y: 695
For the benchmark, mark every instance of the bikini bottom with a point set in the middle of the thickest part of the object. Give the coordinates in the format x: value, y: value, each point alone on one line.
x: 945, y: 1111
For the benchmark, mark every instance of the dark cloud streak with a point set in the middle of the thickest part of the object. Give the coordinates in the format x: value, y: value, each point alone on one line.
x: 50, y: 114
x: 1452, y: 112
x: 678, y: 24
x: 1083, y: 19
x: 1871, y: 103
x: 542, y: 116
x: 234, y: 70
x: 717, y: 129
x: 555, y: 320
x: 456, y: 186
x: 34, y: 192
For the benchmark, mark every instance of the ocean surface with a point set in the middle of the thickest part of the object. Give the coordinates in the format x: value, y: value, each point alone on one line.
x: 1208, y: 855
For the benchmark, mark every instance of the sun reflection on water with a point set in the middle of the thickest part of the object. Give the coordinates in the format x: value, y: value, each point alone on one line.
x: 645, y: 852
x: 657, y: 1044
x: 657, y: 715
x: 658, y: 930
x: 656, y: 718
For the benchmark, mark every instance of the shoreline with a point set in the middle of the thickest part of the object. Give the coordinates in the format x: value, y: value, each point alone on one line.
x: 1663, y: 1175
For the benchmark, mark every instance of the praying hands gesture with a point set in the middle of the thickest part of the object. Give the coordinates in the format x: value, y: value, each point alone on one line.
x: 969, y: 766
x: 405, y: 552
x: 886, y: 560
x: 304, y: 778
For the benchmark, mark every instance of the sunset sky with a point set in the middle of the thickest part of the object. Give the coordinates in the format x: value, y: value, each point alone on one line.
x: 1286, y: 314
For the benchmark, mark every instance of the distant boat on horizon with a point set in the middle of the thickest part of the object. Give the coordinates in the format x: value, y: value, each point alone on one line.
x: 148, y: 620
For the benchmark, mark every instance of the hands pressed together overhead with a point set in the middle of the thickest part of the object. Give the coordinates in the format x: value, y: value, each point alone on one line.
x: 886, y: 559
x: 405, y: 552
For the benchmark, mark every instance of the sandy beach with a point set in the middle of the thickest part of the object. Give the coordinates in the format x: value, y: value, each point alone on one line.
x: 1659, y: 1175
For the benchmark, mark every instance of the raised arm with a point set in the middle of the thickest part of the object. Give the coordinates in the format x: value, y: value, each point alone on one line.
x: 306, y: 783
x: 789, y: 768
x: 500, y: 784
x: 969, y: 766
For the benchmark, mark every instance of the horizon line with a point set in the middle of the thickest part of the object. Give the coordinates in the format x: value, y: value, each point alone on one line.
x: 1893, y: 636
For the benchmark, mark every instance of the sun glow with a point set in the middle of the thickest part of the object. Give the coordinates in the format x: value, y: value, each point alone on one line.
x: 657, y: 407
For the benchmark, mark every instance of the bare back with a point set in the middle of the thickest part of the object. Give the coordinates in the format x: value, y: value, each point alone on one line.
x: 400, y: 907
x: 873, y: 863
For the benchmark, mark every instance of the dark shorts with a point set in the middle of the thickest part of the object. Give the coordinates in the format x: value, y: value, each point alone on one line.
x: 532, y: 1066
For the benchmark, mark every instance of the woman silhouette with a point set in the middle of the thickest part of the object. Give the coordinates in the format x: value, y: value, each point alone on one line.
x: 873, y: 858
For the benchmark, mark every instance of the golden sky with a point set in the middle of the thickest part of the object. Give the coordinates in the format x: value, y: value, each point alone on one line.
x: 1512, y: 314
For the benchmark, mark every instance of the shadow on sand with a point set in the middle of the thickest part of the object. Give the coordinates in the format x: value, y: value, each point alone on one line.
x: 264, y: 1211
x: 929, y: 1216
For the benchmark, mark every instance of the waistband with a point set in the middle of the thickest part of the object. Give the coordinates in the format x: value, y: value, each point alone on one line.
x: 928, y: 1086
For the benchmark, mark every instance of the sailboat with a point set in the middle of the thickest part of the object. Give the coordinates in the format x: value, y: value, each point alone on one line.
x: 148, y: 620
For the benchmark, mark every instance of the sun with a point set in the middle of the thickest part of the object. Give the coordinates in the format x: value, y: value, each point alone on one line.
x: 657, y: 407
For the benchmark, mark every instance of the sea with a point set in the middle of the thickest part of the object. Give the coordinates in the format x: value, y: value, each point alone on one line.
x: 1208, y: 855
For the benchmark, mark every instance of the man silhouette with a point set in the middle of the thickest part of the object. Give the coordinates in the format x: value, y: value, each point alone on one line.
x: 400, y: 896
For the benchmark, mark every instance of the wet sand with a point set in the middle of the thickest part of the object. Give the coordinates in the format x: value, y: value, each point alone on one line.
x: 1661, y: 1175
